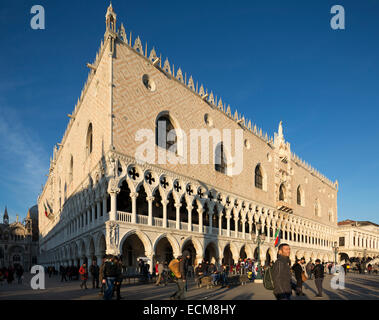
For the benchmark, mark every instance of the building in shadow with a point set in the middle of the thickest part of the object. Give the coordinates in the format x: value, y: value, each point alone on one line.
x: 19, y: 240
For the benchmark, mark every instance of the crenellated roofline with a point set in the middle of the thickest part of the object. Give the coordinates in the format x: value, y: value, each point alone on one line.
x: 204, y: 94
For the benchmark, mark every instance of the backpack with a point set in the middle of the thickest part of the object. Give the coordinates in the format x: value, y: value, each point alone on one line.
x: 174, y: 267
x: 268, y: 283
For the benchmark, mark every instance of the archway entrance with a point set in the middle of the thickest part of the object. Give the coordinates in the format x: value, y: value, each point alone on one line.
x: 191, y: 248
x: 228, y: 256
x: 243, y: 254
x: 210, y: 253
x: 132, y: 249
x: 163, y: 251
x: 256, y: 253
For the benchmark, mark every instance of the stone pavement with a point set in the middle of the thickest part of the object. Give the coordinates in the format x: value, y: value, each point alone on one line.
x: 357, y: 287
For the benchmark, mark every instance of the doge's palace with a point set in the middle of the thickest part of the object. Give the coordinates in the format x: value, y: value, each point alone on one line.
x: 101, y: 198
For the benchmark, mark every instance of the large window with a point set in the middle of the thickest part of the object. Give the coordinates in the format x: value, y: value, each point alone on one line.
x: 220, y: 159
x: 342, y: 241
x: 282, y: 192
x: 71, y: 172
x: 165, y: 134
x: 89, y: 140
x: 299, y: 196
x: 258, y: 177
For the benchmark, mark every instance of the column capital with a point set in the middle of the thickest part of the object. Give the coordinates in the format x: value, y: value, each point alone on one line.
x: 150, y: 198
x: 114, y: 191
x: 165, y: 202
x: 133, y: 194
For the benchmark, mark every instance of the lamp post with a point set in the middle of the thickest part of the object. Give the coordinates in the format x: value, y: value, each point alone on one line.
x: 259, y: 240
x: 335, y: 249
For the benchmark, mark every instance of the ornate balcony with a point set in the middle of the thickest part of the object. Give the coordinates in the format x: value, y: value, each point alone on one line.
x: 284, y: 206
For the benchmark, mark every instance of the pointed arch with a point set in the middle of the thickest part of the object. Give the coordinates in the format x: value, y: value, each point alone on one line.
x: 89, y: 139
x: 174, y: 243
x: 300, y: 196
x: 168, y: 134
x: 260, y: 177
x: 142, y: 236
x: 282, y: 192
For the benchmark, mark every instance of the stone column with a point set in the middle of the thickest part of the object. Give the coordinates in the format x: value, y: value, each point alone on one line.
x: 210, y: 222
x: 243, y: 228
x: 113, y: 213
x: 151, y: 264
x: 250, y: 229
x: 189, y: 209
x: 200, y: 212
x: 150, y: 210
x: 236, y: 227
x: 98, y: 204
x: 164, y: 204
x: 220, y: 223
x: 93, y: 213
x: 104, y: 207
x: 177, y: 206
x: 133, y: 196
x: 228, y: 222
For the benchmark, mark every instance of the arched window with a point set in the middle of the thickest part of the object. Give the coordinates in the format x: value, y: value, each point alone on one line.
x: 258, y: 177
x: 317, y: 208
x: 165, y: 134
x: 89, y: 140
x: 71, y: 172
x: 299, y: 200
x: 220, y: 159
x: 282, y: 191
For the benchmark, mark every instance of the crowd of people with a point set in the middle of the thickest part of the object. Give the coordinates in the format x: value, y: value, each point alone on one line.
x: 11, y: 274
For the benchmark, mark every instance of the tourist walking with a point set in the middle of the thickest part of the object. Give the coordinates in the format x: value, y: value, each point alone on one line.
x: 101, y: 271
x: 109, y: 277
x: 298, y: 270
x: 159, y: 271
x: 10, y: 275
x: 94, y: 270
x: 19, y: 273
x: 63, y: 272
x: 181, y: 276
x: 281, y: 273
x: 318, y: 272
x: 83, y: 276
x: 309, y: 269
x: 118, y: 281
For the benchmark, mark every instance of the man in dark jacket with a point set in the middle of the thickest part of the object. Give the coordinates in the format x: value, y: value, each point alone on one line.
x: 298, y: 270
x: 181, y: 282
x: 94, y: 270
x: 318, y: 271
x: 281, y: 273
x: 110, y: 274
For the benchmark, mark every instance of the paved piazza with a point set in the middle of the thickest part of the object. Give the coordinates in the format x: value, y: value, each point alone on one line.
x: 357, y: 287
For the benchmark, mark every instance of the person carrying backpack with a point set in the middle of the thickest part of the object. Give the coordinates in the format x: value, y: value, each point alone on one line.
x: 281, y: 273
x: 180, y: 268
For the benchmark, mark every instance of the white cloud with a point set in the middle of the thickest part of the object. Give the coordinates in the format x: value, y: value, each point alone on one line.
x: 23, y: 163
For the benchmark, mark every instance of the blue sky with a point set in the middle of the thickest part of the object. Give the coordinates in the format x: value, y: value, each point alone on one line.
x: 272, y: 60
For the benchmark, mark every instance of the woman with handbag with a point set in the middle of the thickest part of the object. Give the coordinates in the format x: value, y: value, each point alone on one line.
x: 298, y: 271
